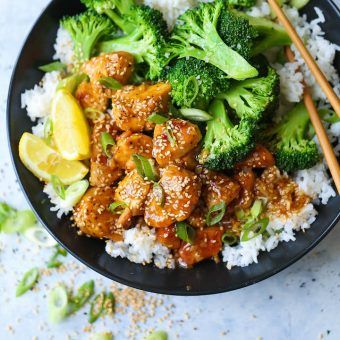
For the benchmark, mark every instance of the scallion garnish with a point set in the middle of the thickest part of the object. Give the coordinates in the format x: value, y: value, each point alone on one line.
x: 216, y: 213
x: 117, y: 207
x: 185, y: 232
x: 109, y: 303
x: 191, y: 87
x: 157, y: 118
x: 101, y: 336
x: 48, y: 130
x: 196, y: 115
x: 158, y: 335
x: 240, y: 214
x: 54, y: 66
x: 97, y: 307
x: 58, y: 186
x: 40, y: 236
x: 85, y: 292
x: 18, y: 221
x: 145, y: 167
x: 58, y: 303
x: 110, y: 83
x: 53, y: 261
x: 93, y: 114
x: 229, y: 238
x: 170, y: 135
x: 75, y: 192
x: 107, y: 143
x: 256, y: 209
x: 28, y: 281
x: 160, y: 194
x: 254, y: 229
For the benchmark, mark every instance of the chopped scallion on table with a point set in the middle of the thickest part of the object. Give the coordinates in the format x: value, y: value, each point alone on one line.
x: 28, y: 281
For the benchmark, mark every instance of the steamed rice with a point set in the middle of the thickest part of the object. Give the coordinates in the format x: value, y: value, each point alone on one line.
x: 140, y: 244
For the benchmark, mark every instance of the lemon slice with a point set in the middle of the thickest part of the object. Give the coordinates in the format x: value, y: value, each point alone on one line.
x: 71, y: 132
x: 43, y: 161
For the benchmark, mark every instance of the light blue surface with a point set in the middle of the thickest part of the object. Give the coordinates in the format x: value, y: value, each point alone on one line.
x: 303, y: 302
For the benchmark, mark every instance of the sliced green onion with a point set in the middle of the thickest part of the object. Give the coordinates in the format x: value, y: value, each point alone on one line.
x: 40, y: 236
x: 329, y: 116
x: 190, y: 86
x: 160, y: 194
x: 71, y: 83
x: 28, y: 281
x: 145, y: 167
x: 58, y: 186
x: 75, y: 192
x: 102, y: 336
x: 229, y: 238
x: 18, y: 222
x: 158, y: 335
x: 240, y: 214
x: 298, y: 4
x: 255, y: 229
x: 170, y: 136
x: 85, y: 292
x: 109, y: 303
x: 196, y: 115
x: 256, y: 209
x: 93, y: 114
x: 107, y: 143
x: 157, y: 118
x: 53, y: 261
x: 110, y: 83
x: 216, y: 213
x: 185, y: 232
x: 48, y: 130
x: 5, y: 212
x: 117, y: 207
x: 58, y: 304
x: 97, y: 307
x: 54, y: 66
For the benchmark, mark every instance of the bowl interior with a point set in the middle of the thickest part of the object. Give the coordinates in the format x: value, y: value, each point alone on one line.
x: 205, y: 278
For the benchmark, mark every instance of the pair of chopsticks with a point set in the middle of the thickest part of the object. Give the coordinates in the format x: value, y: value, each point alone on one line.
x: 326, y: 146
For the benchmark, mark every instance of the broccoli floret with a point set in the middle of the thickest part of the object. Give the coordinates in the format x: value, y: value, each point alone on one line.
x: 237, y: 33
x: 270, y: 34
x: 254, y: 98
x: 86, y: 30
x: 288, y: 141
x: 117, y: 10
x: 146, y: 42
x: 225, y: 144
x: 195, y: 83
x: 242, y: 3
x: 195, y: 35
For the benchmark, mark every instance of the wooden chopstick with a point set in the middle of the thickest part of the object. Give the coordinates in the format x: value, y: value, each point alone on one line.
x: 314, y: 68
x: 326, y: 146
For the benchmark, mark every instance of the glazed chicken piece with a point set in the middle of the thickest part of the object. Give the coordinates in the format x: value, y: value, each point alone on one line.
x: 173, y: 140
x: 129, y: 144
x: 117, y: 65
x: 104, y: 170
x: 218, y: 187
x: 167, y: 236
x: 175, y: 201
x: 133, y: 190
x: 132, y: 105
x: 198, y: 217
x: 258, y: 159
x: 207, y: 244
x: 93, y: 217
x: 246, y: 178
x: 189, y: 161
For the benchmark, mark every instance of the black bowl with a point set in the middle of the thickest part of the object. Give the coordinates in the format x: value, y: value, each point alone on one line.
x: 205, y: 278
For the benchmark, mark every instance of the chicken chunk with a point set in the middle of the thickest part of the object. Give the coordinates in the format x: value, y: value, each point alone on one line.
x: 189, y: 161
x: 258, y: 159
x: 93, y: 217
x: 104, y: 170
x: 129, y: 144
x: 178, y: 197
x: 198, y: 217
x: 91, y: 97
x: 246, y: 178
x: 207, y: 244
x: 173, y: 140
x: 133, y: 190
x: 218, y: 188
x: 132, y: 105
x: 167, y: 236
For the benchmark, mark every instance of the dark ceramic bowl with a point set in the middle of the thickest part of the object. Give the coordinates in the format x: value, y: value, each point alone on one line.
x: 205, y: 278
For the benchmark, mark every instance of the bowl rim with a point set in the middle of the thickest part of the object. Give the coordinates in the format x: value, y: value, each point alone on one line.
x: 112, y: 276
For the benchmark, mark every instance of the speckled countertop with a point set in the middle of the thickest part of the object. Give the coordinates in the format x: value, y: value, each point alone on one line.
x: 302, y: 302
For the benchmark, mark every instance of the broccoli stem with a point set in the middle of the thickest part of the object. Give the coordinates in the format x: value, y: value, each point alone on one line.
x: 218, y: 111
x: 121, y: 23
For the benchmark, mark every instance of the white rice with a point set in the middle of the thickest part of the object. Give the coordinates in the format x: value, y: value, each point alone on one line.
x: 38, y: 100
x: 140, y: 246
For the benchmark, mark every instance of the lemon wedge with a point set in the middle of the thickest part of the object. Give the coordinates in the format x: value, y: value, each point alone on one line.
x: 43, y: 161
x: 71, y: 133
